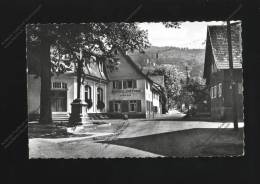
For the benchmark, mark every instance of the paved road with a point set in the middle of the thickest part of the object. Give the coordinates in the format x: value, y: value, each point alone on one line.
x: 137, y: 138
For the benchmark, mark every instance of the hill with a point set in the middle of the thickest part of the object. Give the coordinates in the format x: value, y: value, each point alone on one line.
x: 180, y: 57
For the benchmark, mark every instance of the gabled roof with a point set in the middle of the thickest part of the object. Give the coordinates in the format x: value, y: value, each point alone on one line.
x: 92, y: 69
x: 217, y: 36
x: 135, y: 66
x: 158, y: 86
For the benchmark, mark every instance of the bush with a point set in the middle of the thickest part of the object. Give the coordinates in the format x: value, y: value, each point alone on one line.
x: 89, y: 103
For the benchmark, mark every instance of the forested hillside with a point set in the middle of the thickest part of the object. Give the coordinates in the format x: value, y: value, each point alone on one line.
x: 179, y: 57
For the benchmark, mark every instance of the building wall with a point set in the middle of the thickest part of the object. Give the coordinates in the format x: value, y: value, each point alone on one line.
x: 221, y: 107
x: 156, y: 102
x: 142, y: 92
x: 217, y: 102
x: 34, y: 87
x: 238, y: 77
x: 94, y: 86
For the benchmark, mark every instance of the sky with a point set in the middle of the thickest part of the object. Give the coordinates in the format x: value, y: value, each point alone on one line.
x: 189, y: 35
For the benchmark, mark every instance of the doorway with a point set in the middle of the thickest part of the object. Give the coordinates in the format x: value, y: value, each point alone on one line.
x: 59, y: 101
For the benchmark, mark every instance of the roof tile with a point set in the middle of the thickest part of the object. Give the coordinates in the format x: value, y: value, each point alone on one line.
x: 218, y: 39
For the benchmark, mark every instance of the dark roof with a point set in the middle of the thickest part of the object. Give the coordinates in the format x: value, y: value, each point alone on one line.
x: 217, y: 36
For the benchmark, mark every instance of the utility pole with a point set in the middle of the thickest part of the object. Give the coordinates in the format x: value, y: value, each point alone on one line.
x: 231, y: 72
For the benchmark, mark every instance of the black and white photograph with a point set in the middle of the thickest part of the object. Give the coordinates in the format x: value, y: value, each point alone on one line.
x: 135, y: 90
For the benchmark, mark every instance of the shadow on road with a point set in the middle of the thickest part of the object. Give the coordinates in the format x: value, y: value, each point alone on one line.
x: 184, y: 118
x: 187, y: 143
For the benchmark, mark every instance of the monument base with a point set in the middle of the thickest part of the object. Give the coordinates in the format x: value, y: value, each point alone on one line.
x: 78, y: 114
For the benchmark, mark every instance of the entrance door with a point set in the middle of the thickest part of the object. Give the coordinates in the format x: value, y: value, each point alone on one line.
x: 58, y: 101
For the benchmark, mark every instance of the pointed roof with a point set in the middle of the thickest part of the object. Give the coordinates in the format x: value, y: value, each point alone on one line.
x: 135, y: 66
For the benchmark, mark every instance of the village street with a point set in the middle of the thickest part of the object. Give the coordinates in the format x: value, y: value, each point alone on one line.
x: 168, y: 135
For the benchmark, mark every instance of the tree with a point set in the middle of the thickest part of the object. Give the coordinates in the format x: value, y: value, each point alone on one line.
x: 92, y: 40
x: 171, y: 81
x: 192, y: 92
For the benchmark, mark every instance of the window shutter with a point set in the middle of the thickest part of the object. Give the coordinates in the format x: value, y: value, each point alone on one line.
x: 119, y: 84
x: 111, y: 109
x: 124, y: 105
x: 114, y: 84
x: 139, y: 109
x: 134, y: 84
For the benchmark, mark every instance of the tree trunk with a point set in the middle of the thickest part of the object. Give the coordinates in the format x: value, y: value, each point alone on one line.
x: 45, y: 101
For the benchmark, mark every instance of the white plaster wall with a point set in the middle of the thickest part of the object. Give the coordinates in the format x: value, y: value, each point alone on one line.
x: 148, y: 92
x: 156, y: 101
x: 117, y: 94
x: 34, y: 87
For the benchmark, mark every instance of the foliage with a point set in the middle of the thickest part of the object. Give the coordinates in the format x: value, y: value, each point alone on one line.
x: 100, y: 105
x: 192, y: 93
x: 172, y: 24
x: 171, y: 80
x: 89, y: 103
x: 92, y: 40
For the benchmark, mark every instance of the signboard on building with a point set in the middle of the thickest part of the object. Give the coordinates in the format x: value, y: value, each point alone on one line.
x: 126, y: 92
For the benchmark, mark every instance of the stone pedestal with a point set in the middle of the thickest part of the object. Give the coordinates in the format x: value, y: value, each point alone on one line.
x: 78, y: 114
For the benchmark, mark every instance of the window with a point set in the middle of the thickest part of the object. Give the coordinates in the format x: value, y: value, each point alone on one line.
x: 100, y: 94
x: 59, y: 85
x: 129, y: 84
x: 87, y: 92
x: 219, y: 90
x: 117, y: 84
x: 132, y: 106
x: 117, y: 106
x: 215, y: 91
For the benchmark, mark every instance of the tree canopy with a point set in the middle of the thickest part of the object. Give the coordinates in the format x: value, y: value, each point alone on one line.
x: 92, y: 39
x: 172, y: 81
